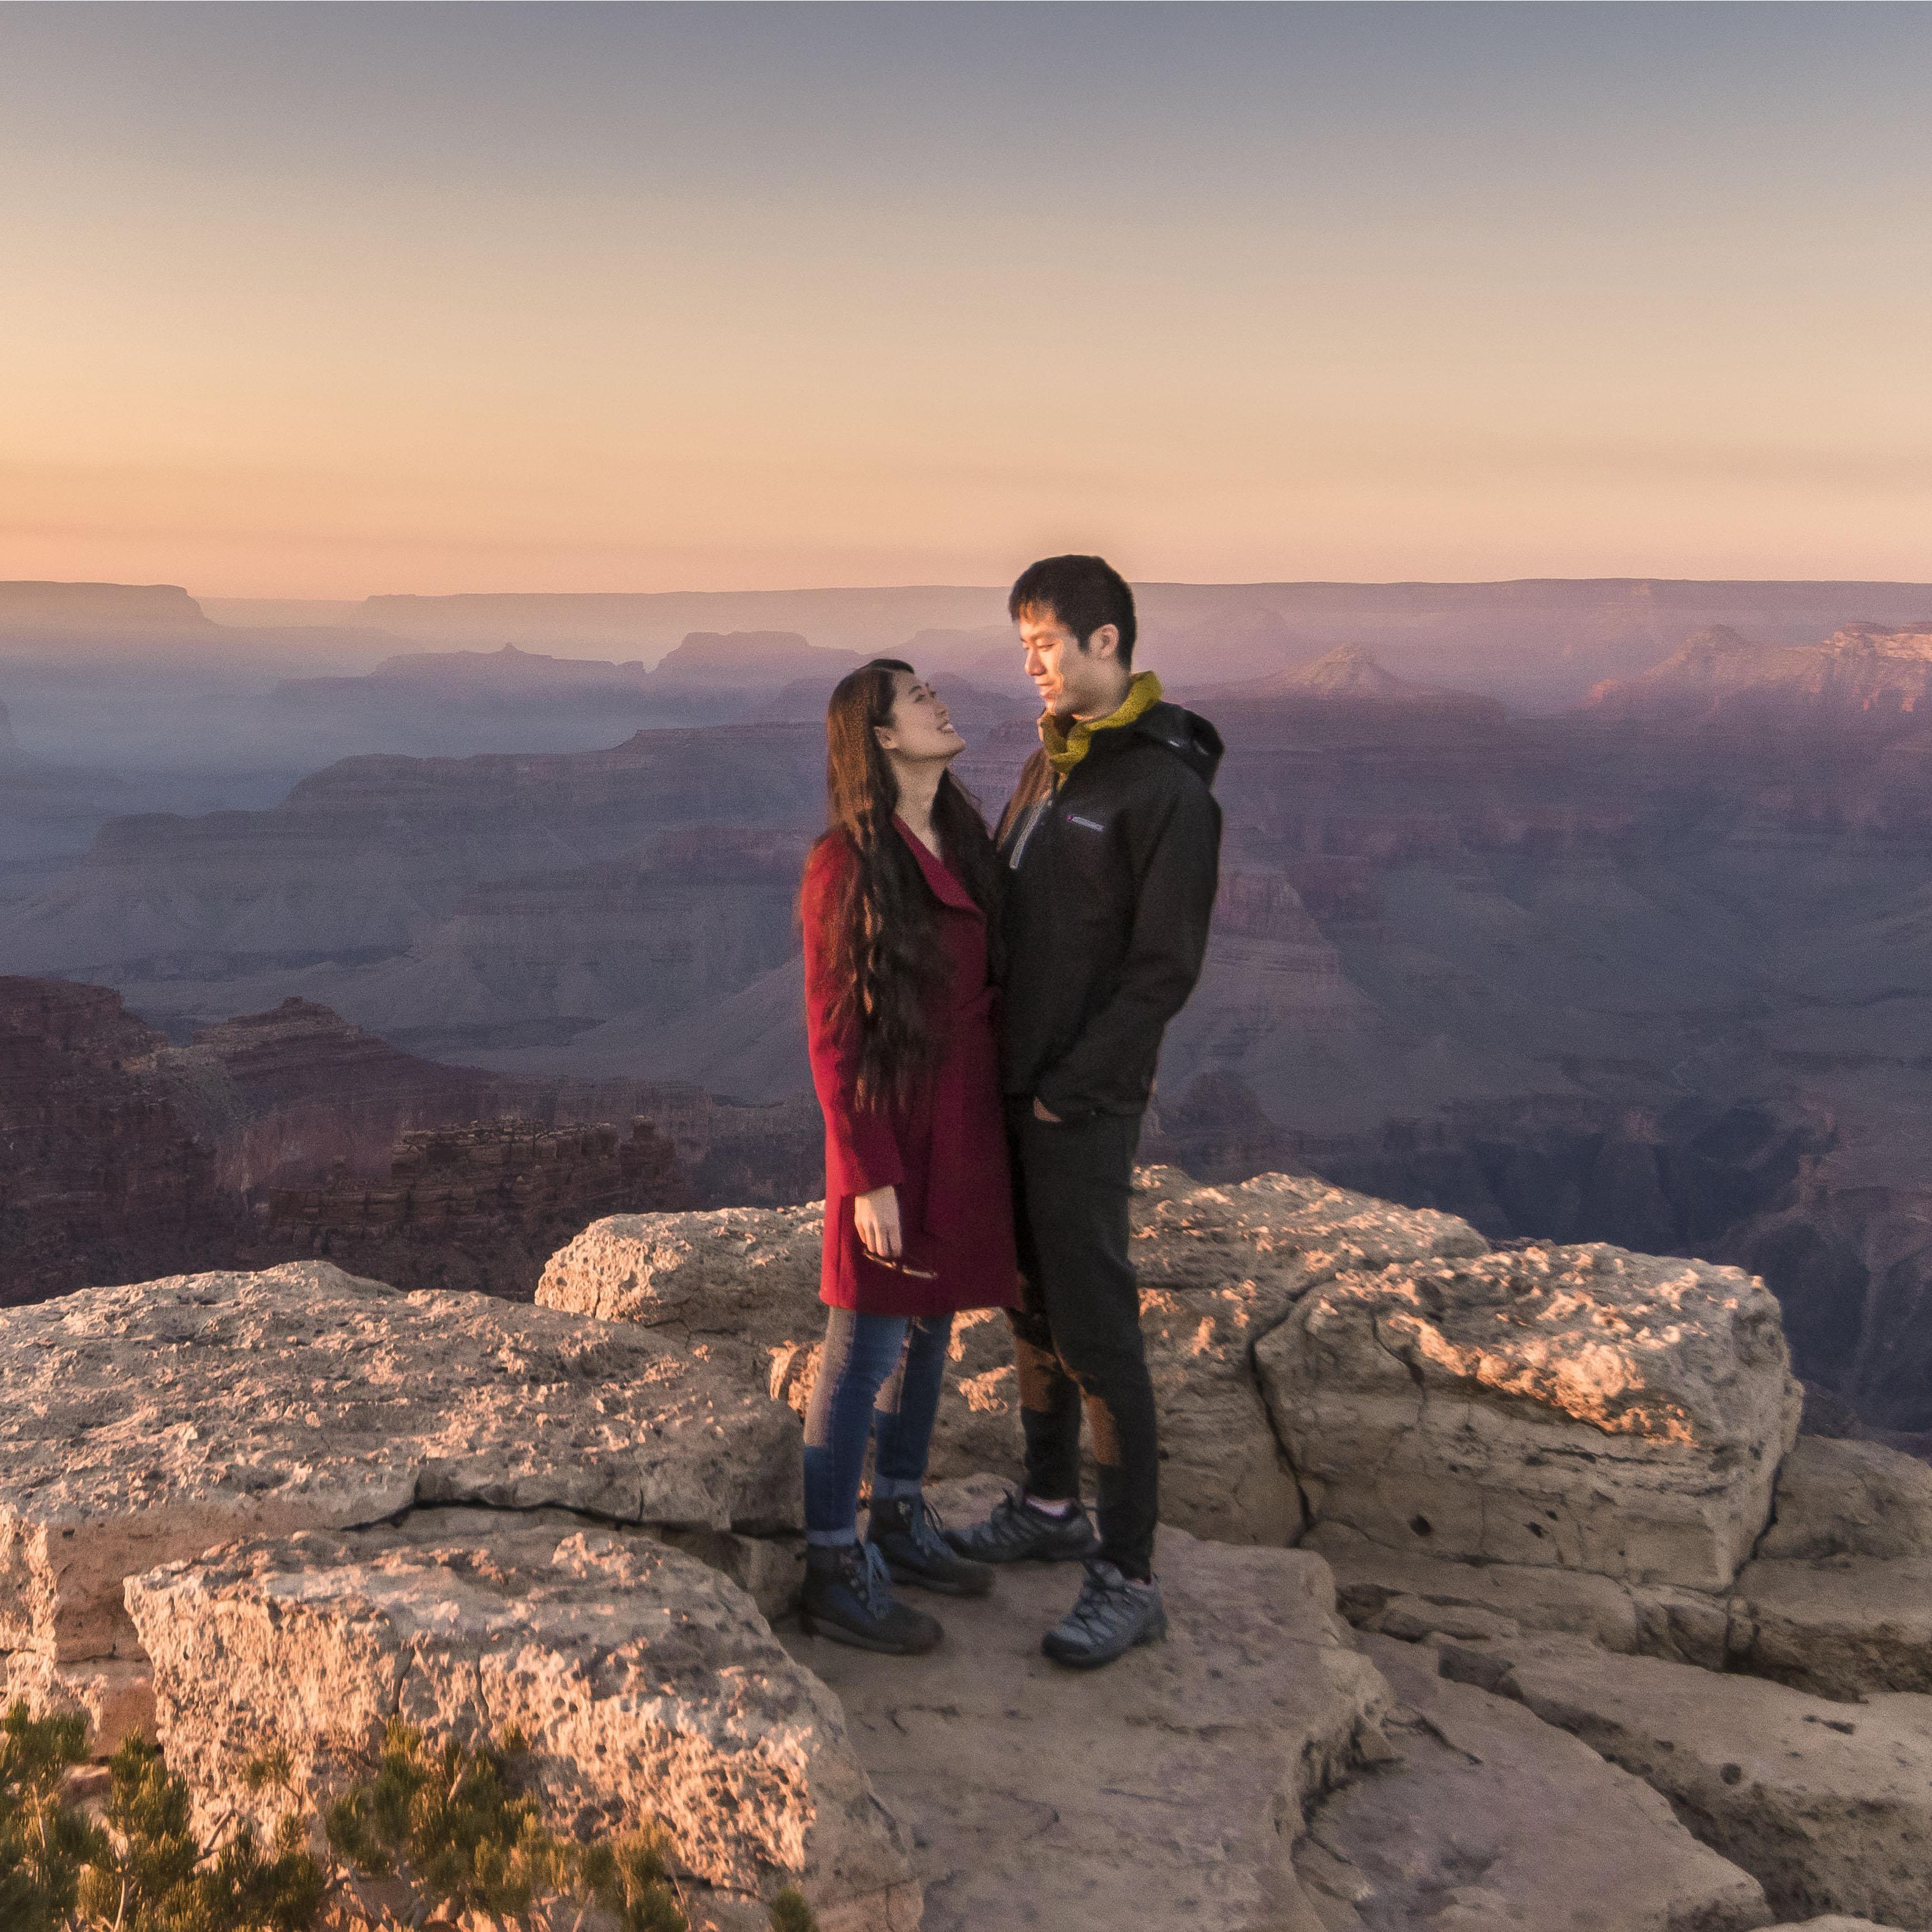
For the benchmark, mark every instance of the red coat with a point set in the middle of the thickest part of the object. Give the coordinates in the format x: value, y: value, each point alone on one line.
x: 946, y: 1154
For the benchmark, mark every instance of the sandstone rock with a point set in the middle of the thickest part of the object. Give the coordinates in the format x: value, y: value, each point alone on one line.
x: 1833, y: 1922
x: 1369, y: 1578
x: 1840, y: 1628
x: 1164, y: 1794
x: 1494, y: 1820
x: 150, y: 1422
x: 1218, y: 1267
x: 1841, y: 1499
x: 1828, y: 1806
x: 770, y: 1570
x: 645, y: 1685
x: 1579, y: 1408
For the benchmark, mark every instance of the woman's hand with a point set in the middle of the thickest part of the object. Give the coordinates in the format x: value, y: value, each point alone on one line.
x: 876, y: 1217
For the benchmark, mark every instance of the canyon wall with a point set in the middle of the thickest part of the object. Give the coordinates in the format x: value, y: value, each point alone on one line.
x: 1652, y: 970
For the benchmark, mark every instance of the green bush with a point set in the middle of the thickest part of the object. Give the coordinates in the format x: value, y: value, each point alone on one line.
x: 789, y: 1912
x: 446, y: 1819
x: 43, y: 1843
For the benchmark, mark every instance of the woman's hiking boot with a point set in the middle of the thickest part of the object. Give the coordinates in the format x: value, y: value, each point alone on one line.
x: 1016, y: 1532
x: 848, y: 1597
x: 906, y: 1531
x: 1114, y: 1613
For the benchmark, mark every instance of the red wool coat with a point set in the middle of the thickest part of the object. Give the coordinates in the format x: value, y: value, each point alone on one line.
x: 946, y: 1154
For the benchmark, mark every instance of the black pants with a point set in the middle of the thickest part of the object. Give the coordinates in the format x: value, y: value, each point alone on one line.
x: 1077, y: 1333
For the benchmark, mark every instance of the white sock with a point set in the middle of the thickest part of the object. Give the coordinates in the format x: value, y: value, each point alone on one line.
x: 1061, y: 1509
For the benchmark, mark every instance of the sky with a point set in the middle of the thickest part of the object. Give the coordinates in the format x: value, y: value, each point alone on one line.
x: 323, y: 301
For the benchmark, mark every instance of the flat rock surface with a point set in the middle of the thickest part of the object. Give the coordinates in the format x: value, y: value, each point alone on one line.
x: 1840, y: 1498
x: 150, y: 1422
x: 1828, y: 1805
x: 1841, y: 1627
x: 1583, y: 1407
x: 1381, y: 1588
x: 645, y: 1684
x: 1219, y: 1267
x: 1494, y: 1819
x: 1161, y: 1793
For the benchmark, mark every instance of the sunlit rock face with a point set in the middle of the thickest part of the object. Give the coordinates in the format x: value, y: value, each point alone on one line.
x: 645, y: 1685
x: 147, y: 1423
x: 1583, y: 1407
x: 1219, y: 1267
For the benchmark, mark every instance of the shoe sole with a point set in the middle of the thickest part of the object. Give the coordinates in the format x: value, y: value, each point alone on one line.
x: 832, y: 1633
x: 1154, y: 1633
x: 1080, y: 1555
x: 936, y: 1585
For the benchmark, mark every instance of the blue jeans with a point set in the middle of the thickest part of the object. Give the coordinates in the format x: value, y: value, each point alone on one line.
x: 879, y: 1378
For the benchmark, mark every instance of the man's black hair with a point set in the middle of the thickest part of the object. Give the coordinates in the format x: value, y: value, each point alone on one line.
x: 1083, y: 592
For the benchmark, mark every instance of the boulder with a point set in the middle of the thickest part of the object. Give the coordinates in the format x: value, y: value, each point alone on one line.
x: 1218, y: 1267
x: 1840, y: 1498
x: 1841, y: 1628
x: 645, y: 1685
x: 1828, y: 1805
x: 151, y: 1422
x: 1491, y: 1820
x: 1412, y: 1596
x: 1573, y: 1407
x: 1165, y: 1792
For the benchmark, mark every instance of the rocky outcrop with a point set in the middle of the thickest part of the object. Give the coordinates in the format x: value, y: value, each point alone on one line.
x: 1583, y: 1408
x: 1842, y: 1627
x: 1219, y: 1268
x: 1457, y: 1835
x: 1828, y: 1806
x: 149, y: 1423
x: 1170, y: 1799
x: 1840, y: 1498
x: 644, y: 1685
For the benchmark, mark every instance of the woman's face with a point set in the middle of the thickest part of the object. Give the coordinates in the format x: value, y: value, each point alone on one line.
x: 918, y: 727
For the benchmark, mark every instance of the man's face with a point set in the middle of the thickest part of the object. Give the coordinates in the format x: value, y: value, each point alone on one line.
x: 1071, y: 682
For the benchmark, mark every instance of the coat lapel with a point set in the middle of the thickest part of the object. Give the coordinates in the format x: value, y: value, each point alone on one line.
x: 946, y: 887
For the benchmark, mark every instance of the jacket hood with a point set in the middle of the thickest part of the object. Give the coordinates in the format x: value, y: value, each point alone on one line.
x: 1185, y: 733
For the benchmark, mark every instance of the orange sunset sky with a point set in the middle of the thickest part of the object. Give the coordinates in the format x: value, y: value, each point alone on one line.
x: 326, y: 301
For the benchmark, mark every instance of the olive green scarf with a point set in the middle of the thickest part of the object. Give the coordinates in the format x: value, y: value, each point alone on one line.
x: 1065, y: 747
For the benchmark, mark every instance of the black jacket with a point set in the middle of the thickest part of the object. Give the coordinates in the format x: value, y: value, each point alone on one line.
x: 1112, y: 880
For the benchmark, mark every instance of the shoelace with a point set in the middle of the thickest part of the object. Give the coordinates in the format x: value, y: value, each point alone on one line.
x: 874, y: 1583
x: 1098, y: 1605
x: 923, y: 1526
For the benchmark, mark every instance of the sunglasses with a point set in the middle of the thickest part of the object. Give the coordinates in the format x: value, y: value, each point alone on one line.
x: 902, y: 1267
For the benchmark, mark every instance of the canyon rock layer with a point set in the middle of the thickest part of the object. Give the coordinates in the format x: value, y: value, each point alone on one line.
x: 1648, y: 971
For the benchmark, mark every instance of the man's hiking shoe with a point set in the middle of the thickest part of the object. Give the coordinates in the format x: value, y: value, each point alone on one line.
x: 1113, y: 1615
x: 848, y: 1597
x: 1015, y: 1533
x: 907, y: 1532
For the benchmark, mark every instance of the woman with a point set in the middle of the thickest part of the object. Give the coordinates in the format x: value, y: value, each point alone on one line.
x: 899, y: 908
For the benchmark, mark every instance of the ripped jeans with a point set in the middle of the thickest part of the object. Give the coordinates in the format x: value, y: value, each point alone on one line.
x: 1077, y: 1332
x: 879, y: 1380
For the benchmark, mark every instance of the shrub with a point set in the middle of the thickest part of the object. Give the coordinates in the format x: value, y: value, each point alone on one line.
x: 789, y: 1912
x: 43, y: 1843
x: 446, y: 1819
x: 148, y: 1874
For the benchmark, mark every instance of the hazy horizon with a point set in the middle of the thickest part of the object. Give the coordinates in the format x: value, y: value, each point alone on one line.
x: 315, y: 302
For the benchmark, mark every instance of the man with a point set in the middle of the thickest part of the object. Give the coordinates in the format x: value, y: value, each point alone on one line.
x: 1113, y: 840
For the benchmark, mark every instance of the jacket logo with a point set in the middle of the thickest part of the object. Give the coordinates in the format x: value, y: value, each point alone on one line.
x: 1091, y: 824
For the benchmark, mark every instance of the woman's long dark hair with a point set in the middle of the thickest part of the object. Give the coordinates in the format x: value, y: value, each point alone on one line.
x: 882, y: 942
